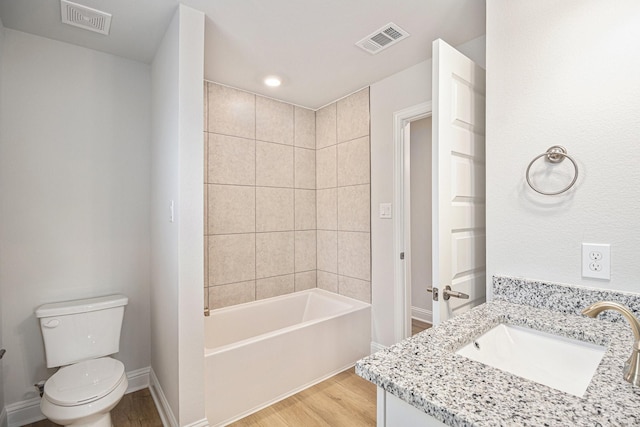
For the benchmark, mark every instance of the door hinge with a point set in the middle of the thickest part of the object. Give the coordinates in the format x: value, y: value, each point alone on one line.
x: 401, y: 255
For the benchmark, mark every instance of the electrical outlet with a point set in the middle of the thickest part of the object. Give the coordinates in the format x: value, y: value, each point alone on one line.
x: 596, y: 261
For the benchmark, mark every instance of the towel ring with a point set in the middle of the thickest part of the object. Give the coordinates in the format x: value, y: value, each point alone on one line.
x: 554, y: 154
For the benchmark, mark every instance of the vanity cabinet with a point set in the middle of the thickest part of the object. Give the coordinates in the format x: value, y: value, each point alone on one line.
x: 395, y: 412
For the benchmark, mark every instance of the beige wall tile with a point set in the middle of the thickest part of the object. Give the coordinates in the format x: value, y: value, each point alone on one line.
x: 274, y: 121
x: 231, y: 111
x: 327, y: 281
x: 327, y: 209
x: 274, y: 286
x: 305, y: 209
x: 205, y: 121
x: 354, y: 288
x: 354, y: 255
x: 305, y: 250
x: 305, y: 168
x: 231, y: 294
x: 206, y: 209
x: 274, y: 254
x: 232, y: 209
x: 306, y: 280
x: 274, y: 165
x: 305, y: 128
x: 353, y: 116
x: 274, y: 209
x: 326, y: 126
x: 354, y: 208
x: 327, y: 254
x: 326, y: 167
x: 206, y: 262
x: 206, y: 297
x: 353, y: 162
x: 232, y: 258
x: 205, y: 138
x: 231, y: 160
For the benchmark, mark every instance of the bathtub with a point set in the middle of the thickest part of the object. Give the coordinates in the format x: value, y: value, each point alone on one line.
x: 264, y: 351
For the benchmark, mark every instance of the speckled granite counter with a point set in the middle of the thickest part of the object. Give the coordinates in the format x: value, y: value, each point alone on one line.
x: 425, y: 372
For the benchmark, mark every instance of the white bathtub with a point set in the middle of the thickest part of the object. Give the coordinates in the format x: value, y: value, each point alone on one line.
x: 263, y: 351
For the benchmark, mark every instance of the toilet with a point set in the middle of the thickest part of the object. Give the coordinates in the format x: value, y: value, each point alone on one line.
x: 78, y: 337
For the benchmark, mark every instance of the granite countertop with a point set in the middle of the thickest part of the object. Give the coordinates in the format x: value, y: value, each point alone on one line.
x: 425, y: 372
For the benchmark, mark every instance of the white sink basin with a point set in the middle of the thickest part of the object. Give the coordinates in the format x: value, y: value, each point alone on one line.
x: 558, y: 362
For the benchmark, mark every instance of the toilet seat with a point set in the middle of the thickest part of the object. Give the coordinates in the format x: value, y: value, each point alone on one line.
x: 84, y: 382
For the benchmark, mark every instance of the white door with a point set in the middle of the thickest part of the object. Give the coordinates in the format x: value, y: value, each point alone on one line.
x: 459, y: 182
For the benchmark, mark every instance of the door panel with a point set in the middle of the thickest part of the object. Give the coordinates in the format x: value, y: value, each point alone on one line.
x: 459, y: 180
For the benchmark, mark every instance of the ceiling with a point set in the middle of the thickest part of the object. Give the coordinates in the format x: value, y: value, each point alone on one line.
x: 310, y: 44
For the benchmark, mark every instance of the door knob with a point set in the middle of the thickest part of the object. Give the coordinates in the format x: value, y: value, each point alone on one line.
x: 434, y: 291
x: 448, y: 293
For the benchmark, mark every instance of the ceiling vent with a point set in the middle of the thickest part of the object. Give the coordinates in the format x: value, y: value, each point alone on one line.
x: 85, y: 17
x: 383, y: 38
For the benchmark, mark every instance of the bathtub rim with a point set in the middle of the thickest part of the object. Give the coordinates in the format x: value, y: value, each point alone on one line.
x: 355, y: 305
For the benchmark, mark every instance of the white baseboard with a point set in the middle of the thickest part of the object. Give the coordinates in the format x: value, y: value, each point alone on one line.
x: 3, y: 417
x: 138, y: 379
x: 166, y: 414
x: 421, y: 314
x: 24, y: 412
x: 202, y: 423
x: 28, y: 411
x: 375, y: 347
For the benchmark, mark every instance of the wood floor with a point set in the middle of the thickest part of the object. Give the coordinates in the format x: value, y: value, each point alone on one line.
x: 134, y: 410
x: 418, y: 326
x: 342, y: 400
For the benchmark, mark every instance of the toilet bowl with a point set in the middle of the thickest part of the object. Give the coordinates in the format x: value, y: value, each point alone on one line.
x: 78, y: 337
x: 83, y: 394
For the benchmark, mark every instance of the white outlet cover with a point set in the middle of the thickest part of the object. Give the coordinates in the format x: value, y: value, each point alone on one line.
x: 596, y: 261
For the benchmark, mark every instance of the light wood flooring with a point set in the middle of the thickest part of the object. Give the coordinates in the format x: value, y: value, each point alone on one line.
x: 418, y: 326
x: 342, y: 400
x: 134, y: 410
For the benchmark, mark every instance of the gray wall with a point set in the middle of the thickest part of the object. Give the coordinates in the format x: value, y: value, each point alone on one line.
x: 74, y: 194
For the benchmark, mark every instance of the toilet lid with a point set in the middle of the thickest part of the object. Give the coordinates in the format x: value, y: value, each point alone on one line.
x: 84, y: 382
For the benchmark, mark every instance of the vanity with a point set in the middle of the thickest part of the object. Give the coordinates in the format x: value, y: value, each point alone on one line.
x: 422, y: 381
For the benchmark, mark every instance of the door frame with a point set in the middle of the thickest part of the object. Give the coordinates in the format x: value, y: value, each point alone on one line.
x: 401, y: 215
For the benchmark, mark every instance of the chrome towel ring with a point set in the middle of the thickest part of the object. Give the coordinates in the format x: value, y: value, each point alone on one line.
x: 554, y: 154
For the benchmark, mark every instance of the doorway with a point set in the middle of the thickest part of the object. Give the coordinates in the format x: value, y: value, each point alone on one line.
x: 419, y: 188
x: 413, y: 217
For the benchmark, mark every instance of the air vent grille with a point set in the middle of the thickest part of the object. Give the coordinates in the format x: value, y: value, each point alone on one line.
x: 85, y: 17
x: 382, y: 38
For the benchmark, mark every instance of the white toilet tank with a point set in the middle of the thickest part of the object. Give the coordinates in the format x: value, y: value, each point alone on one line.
x: 79, y: 330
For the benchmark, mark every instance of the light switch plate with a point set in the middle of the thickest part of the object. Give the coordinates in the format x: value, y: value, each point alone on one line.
x: 385, y: 210
x: 596, y: 261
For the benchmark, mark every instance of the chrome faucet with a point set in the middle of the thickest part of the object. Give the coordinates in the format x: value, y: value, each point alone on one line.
x: 631, y: 372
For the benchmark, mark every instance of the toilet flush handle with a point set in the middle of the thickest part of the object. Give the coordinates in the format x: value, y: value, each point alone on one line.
x: 52, y: 324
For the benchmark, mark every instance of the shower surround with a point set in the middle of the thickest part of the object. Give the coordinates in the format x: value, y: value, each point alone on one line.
x: 286, y: 197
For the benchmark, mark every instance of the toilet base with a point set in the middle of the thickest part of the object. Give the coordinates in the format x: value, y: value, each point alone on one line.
x: 100, y: 420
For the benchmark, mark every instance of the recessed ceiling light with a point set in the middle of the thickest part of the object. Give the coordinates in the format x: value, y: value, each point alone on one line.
x: 272, y: 81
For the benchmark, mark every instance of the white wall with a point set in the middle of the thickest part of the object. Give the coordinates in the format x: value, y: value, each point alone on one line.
x: 399, y: 91
x: 177, y: 333
x: 420, y: 170
x: 3, y: 418
x: 74, y: 194
x: 563, y: 72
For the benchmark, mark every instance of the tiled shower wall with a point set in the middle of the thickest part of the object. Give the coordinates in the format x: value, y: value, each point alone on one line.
x: 343, y: 197
x: 261, y: 235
